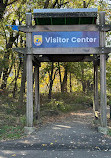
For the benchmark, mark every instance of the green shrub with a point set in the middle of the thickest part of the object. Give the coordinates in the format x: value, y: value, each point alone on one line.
x: 66, y: 102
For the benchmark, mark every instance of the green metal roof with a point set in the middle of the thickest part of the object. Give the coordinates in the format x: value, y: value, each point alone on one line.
x: 65, y: 16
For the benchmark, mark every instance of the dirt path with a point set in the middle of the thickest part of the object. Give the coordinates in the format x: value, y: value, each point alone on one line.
x: 82, y: 116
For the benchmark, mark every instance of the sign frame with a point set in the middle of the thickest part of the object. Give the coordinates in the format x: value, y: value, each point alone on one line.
x: 62, y: 39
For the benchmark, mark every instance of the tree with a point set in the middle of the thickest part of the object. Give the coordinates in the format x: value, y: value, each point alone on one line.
x: 11, y: 39
x: 4, y: 4
x: 63, y: 82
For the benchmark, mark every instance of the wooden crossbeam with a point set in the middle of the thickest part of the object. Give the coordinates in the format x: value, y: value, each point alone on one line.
x: 46, y: 28
x: 83, y: 50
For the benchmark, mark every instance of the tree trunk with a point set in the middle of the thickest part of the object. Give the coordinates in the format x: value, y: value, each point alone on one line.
x: 65, y: 80
x: 16, y: 77
x: 4, y: 79
x: 2, y: 8
x: 23, y: 80
x: 83, y: 82
x: 83, y: 86
x: 51, y: 81
x: 6, y: 70
x: 70, y: 83
x: 64, y: 83
x: 15, y: 84
x: 52, y: 78
x: 60, y: 76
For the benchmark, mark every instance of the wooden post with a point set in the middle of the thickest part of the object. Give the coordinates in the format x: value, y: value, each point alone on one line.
x: 29, y: 106
x: 37, y: 96
x: 29, y: 69
x: 103, y: 102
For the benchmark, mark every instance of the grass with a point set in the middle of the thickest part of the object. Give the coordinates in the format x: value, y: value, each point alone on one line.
x: 11, y: 126
x: 11, y: 132
x: 11, y: 122
x: 12, y: 118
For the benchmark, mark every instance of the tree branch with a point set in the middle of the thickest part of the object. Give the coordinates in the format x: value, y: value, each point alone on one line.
x: 6, y: 2
x: 46, y: 4
x: 56, y: 2
x: 84, y: 4
x: 59, y: 5
x: 11, y: 2
x: 88, y: 3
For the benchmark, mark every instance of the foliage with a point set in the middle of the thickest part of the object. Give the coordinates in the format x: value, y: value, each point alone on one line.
x: 65, y: 102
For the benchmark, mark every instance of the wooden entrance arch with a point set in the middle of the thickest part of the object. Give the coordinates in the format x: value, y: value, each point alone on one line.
x: 67, y: 21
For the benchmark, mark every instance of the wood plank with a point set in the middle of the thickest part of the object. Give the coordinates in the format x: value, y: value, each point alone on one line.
x: 106, y: 50
x: 29, y: 106
x: 49, y: 28
x: 103, y: 100
x: 29, y: 68
x: 105, y: 28
x: 65, y: 50
x: 38, y: 51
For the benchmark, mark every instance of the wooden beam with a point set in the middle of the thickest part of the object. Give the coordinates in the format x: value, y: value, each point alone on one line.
x: 65, y: 58
x: 105, y: 28
x: 84, y: 50
x: 45, y: 28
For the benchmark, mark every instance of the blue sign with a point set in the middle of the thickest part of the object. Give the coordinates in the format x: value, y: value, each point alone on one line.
x: 14, y: 27
x: 65, y: 39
